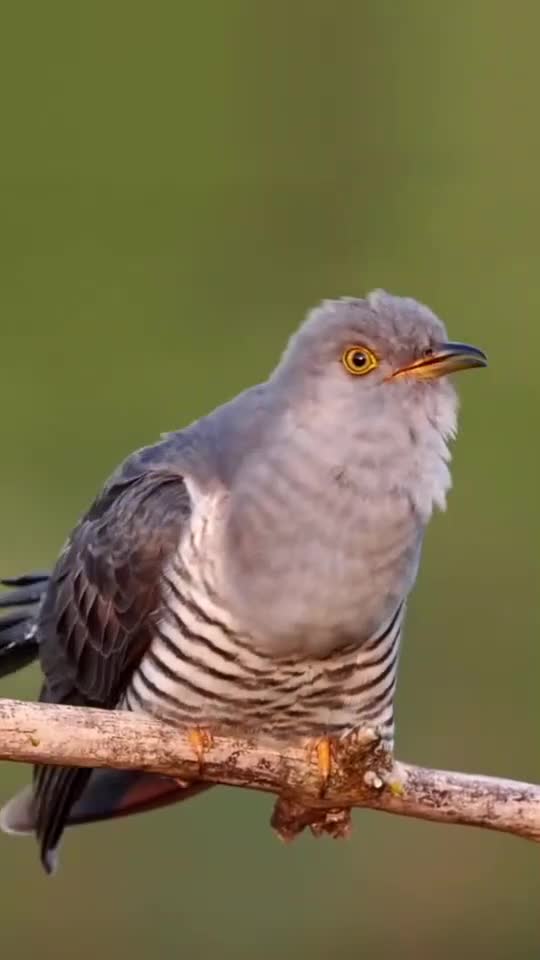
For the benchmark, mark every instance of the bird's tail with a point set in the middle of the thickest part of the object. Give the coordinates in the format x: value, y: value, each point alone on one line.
x: 108, y: 794
x: 19, y: 643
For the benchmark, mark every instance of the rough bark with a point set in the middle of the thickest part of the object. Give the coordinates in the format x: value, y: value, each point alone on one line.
x: 363, y: 774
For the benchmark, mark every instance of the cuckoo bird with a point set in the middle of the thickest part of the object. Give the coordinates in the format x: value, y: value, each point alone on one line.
x: 250, y: 572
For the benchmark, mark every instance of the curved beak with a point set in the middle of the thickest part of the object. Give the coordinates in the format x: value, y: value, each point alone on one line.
x: 445, y: 358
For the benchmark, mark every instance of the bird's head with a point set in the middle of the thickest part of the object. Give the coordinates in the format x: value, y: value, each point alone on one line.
x: 367, y: 355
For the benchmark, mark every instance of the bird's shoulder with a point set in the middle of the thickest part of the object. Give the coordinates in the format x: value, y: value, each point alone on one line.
x: 105, y: 593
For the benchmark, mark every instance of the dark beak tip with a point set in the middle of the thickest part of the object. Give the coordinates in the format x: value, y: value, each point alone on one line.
x: 474, y: 356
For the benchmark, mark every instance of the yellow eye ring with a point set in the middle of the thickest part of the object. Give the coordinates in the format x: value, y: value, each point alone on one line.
x: 359, y: 360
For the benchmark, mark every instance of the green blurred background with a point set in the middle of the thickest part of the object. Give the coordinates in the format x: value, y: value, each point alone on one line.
x: 180, y: 182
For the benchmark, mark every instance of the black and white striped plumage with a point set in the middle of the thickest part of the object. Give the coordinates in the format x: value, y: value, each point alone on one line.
x: 251, y: 572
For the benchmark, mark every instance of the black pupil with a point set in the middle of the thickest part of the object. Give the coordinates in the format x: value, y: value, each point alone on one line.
x: 358, y: 359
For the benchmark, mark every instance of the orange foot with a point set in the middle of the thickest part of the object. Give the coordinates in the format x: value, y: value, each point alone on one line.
x: 323, y: 748
x: 201, y: 741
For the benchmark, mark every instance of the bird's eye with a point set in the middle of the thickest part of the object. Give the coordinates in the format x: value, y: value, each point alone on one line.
x: 359, y: 360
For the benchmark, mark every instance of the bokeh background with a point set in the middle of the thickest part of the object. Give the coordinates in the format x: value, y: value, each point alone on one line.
x: 179, y: 183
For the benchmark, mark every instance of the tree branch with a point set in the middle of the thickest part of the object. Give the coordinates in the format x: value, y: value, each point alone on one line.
x: 363, y: 773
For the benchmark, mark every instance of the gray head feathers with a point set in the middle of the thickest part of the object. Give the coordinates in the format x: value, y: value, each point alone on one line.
x: 396, y: 327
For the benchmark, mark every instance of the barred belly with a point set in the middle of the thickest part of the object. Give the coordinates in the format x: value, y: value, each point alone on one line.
x: 201, y: 671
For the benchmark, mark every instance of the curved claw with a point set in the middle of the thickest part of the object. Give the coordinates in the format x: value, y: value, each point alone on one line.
x: 201, y: 741
x: 322, y: 747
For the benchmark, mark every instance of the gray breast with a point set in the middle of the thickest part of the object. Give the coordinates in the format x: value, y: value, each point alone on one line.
x: 202, y: 671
